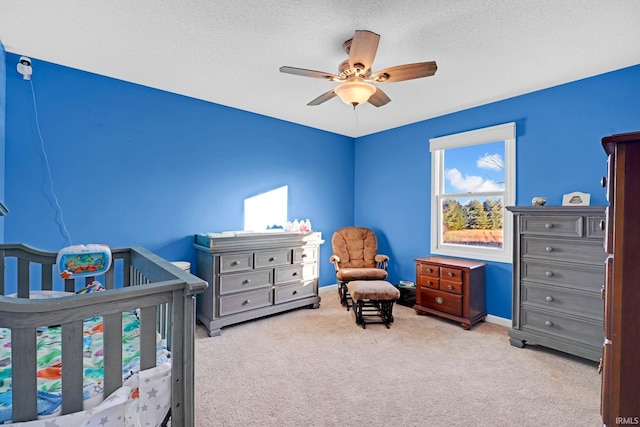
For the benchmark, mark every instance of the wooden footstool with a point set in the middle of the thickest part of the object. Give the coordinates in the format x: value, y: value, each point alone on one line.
x: 373, y: 299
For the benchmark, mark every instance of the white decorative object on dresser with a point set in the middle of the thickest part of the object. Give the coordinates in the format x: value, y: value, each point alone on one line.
x: 558, y: 274
x: 252, y: 275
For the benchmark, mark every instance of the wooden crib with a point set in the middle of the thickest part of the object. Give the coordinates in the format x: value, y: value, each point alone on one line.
x: 161, y: 294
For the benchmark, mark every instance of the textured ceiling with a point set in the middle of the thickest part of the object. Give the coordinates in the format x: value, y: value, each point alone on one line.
x: 229, y: 52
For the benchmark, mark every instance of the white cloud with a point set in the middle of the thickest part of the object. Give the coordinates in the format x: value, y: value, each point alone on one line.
x: 470, y: 184
x: 490, y: 161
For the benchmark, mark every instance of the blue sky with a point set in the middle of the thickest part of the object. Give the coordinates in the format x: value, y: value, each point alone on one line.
x: 474, y: 168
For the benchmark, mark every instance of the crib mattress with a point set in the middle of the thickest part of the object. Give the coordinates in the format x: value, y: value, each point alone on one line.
x: 49, y: 361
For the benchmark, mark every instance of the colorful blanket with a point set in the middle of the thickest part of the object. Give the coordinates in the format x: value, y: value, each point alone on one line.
x: 49, y: 359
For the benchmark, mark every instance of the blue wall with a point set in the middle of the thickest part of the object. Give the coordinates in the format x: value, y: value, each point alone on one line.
x: 133, y: 165
x: 558, y: 151
x: 3, y: 105
x: 138, y: 166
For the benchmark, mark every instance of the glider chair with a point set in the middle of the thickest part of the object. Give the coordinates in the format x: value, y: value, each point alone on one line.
x: 355, y: 258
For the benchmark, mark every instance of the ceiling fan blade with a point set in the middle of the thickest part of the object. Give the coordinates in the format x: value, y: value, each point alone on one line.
x: 405, y: 72
x: 310, y: 73
x: 379, y: 98
x: 322, y: 98
x: 362, y: 51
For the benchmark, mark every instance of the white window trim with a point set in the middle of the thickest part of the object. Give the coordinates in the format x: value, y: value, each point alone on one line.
x: 505, y: 132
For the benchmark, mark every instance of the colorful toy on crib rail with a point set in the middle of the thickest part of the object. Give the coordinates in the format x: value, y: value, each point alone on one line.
x: 83, y: 260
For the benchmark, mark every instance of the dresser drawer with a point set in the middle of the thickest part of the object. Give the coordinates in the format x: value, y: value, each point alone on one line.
x: 428, y: 282
x: 563, y: 249
x: 428, y: 270
x: 288, y: 274
x: 293, y: 292
x: 576, y: 276
x: 569, y: 328
x: 309, y: 271
x: 441, y: 301
x: 272, y: 257
x: 305, y: 255
x: 236, y: 262
x: 561, y: 299
x: 566, y: 225
x: 245, y: 301
x: 236, y: 282
x: 594, y: 227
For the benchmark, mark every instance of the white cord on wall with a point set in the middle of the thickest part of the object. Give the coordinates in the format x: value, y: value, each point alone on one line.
x: 60, y: 218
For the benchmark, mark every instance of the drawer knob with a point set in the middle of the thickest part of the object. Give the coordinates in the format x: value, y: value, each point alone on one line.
x: 548, y: 249
x: 234, y: 263
x: 548, y: 273
x: 549, y: 298
x: 548, y: 323
x: 272, y: 259
x: 303, y: 255
x: 246, y: 282
x: 602, y: 292
x: 449, y: 287
x: 429, y: 282
x: 295, y: 273
x: 429, y: 270
x: 450, y: 274
x: 295, y: 292
x: 603, y: 182
x: 603, y: 224
x: 248, y: 301
x: 548, y: 225
x: 439, y: 300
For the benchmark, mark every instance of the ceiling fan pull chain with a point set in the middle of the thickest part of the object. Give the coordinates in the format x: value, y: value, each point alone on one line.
x: 355, y: 113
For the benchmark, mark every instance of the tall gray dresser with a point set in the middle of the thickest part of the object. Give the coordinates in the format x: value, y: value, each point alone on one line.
x: 558, y: 275
x: 251, y: 275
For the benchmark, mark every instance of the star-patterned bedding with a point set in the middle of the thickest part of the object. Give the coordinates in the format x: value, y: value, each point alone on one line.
x: 146, y: 392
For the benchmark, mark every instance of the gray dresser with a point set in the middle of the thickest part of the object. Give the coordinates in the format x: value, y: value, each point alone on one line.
x: 251, y: 275
x: 558, y: 275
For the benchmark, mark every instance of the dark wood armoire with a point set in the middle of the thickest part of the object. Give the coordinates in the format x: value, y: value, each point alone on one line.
x: 620, y: 365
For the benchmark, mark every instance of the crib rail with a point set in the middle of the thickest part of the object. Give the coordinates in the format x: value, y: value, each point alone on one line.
x: 139, y: 279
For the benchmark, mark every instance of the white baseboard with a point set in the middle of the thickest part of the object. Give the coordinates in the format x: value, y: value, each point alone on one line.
x: 498, y: 320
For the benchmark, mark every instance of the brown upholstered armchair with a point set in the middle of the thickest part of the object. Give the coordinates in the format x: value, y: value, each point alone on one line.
x: 355, y: 257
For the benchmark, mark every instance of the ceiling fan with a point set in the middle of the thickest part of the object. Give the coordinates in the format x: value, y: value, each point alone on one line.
x: 356, y: 77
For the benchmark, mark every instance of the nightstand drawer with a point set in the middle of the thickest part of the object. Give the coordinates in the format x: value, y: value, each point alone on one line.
x: 452, y: 287
x: 590, y: 251
x: 566, y: 225
x: 441, y: 301
x: 428, y: 270
x: 428, y: 282
x: 451, y: 274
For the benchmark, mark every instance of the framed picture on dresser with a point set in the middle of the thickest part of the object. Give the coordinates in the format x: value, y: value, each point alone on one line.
x: 576, y: 199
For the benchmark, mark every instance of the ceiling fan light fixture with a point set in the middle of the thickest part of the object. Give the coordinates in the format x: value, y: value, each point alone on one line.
x: 355, y: 92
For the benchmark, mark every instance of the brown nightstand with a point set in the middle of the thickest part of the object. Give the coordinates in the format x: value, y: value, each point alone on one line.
x: 451, y: 288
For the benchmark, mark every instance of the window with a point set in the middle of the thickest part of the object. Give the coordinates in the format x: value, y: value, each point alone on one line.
x: 472, y: 180
x: 266, y: 210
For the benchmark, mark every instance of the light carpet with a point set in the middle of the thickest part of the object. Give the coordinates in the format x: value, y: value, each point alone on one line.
x: 316, y: 367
